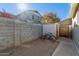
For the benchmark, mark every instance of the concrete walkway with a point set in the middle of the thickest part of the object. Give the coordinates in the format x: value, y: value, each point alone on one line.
x: 36, y: 48
x: 46, y: 48
x: 65, y: 48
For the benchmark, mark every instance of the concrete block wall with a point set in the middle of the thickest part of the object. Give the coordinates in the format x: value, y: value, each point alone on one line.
x: 6, y: 33
x: 14, y: 33
x: 17, y: 31
x: 25, y: 32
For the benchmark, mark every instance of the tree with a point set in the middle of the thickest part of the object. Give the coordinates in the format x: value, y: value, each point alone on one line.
x: 50, y: 18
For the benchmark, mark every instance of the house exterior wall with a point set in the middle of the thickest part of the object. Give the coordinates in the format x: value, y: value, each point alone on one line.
x: 75, y: 30
x: 30, y: 16
x: 75, y: 37
x: 14, y: 33
x: 74, y: 14
x: 75, y: 20
x: 78, y: 17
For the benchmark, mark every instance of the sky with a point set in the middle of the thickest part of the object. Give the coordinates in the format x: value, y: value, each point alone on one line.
x: 61, y: 9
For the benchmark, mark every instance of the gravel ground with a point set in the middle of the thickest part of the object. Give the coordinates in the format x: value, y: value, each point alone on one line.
x: 36, y: 48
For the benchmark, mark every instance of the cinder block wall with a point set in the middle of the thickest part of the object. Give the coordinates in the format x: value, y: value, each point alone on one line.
x: 14, y: 33
x: 6, y: 33
x: 25, y: 32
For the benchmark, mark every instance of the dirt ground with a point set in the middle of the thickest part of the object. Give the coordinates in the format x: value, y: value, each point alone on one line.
x: 36, y: 48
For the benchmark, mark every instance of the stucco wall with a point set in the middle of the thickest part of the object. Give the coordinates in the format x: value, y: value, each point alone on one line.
x: 75, y: 33
x: 49, y: 28
x: 77, y: 17
x: 75, y: 30
x: 14, y: 33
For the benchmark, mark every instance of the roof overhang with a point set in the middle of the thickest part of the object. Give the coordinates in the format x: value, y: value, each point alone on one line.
x: 73, y: 9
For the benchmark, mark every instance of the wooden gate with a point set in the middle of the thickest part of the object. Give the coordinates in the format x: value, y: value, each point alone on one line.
x: 64, y: 30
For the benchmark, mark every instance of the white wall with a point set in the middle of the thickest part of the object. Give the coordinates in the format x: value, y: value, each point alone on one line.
x: 49, y: 28
x: 78, y: 18
x: 75, y: 21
